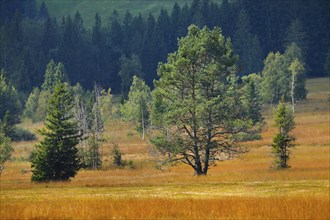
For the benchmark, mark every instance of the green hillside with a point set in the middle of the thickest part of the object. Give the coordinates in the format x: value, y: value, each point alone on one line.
x: 88, y: 8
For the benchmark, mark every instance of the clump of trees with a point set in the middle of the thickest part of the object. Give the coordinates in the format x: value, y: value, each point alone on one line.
x: 199, y: 106
x: 10, y: 112
x: 10, y: 106
x: 199, y: 110
x: 35, y: 106
x: 92, y: 110
x: 284, y: 76
x: 73, y: 126
x: 30, y: 37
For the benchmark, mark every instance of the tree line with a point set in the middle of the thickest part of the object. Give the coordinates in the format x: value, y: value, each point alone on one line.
x: 198, y: 112
x: 120, y: 46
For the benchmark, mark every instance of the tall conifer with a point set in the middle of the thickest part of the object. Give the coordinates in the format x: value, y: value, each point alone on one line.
x: 56, y: 156
x: 283, y: 141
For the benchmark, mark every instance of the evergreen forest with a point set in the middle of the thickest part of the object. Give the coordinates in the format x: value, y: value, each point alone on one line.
x: 118, y: 46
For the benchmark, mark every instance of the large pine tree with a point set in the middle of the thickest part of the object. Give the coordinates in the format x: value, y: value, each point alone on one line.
x: 199, y: 106
x: 56, y: 156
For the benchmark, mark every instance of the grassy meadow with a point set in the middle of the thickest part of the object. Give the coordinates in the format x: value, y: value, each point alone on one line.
x: 242, y: 188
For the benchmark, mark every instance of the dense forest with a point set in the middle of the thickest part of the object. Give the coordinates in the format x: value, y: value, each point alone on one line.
x: 120, y: 46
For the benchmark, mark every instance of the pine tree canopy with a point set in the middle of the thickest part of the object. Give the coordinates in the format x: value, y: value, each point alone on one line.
x: 283, y: 141
x: 198, y: 101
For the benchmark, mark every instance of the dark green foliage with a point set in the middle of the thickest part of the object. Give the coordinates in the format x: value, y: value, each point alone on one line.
x: 43, y: 11
x: 117, y: 158
x: 7, y: 125
x: 116, y: 155
x: 327, y: 63
x: 5, y: 150
x: 296, y: 34
x: 252, y: 98
x: 29, y: 39
x: 252, y: 101
x: 283, y: 141
x: 10, y: 106
x: 21, y: 134
x: 247, y: 45
x: 56, y: 156
x: 128, y: 68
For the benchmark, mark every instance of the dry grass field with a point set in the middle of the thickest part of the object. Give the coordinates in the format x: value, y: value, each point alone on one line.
x: 243, y: 188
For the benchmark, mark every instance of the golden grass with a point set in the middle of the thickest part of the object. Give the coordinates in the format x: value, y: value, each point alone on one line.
x: 252, y: 167
x: 243, y: 188
x: 103, y: 207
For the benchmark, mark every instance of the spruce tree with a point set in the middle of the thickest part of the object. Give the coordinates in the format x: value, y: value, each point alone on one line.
x: 283, y: 141
x: 251, y: 98
x: 296, y: 69
x: 56, y: 156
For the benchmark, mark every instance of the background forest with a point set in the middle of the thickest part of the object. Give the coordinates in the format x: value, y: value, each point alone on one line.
x: 118, y: 45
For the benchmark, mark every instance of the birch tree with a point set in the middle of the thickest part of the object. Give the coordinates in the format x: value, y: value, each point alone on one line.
x: 137, y: 108
x: 296, y: 68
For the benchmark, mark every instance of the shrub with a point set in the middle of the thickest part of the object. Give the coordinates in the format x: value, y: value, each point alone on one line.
x: 243, y: 137
x: 130, y: 164
x: 116, y: 155
x: 21, y: 134
x: 117, y: 158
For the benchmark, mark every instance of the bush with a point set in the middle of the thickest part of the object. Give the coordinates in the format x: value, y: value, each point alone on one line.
x: 130, y: 164
x: 116, y: 155
x: 117, y: 158
x: 21, y: 134
x: 243, y: 137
